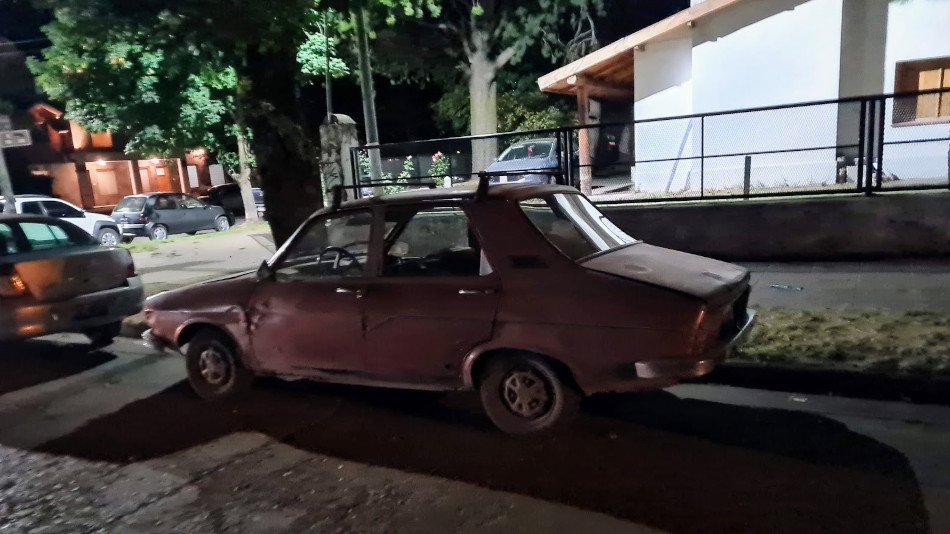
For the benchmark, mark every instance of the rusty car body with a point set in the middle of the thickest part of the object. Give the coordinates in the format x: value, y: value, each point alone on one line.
x: 526, y: 293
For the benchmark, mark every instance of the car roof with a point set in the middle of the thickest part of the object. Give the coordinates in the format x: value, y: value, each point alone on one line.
x: 513, y: 192
x: 21, y: 217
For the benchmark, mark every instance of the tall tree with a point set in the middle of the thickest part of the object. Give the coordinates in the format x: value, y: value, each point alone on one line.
x: 141, y: 82
x: 492, y: 34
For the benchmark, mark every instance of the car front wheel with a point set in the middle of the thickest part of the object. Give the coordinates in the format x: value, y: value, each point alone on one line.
x: 221, y: 223
x: 523, y: 394
x: 108, y: 237
x: 158, y: 233
x: 215, y: 371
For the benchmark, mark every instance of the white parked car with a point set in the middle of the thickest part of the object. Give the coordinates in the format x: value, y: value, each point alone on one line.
x: 101, y: 227
x: 56, y: 278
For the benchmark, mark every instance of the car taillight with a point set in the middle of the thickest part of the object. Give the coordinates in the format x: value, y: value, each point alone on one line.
x: 12, y: 285
x: 708, y: 324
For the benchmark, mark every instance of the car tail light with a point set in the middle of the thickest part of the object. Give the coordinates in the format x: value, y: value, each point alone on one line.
x: 11, y: 285
x: 708, y: 324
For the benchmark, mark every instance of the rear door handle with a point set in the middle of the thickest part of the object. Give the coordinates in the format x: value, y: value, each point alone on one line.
x: 476, y: 291
x: 350, y: 291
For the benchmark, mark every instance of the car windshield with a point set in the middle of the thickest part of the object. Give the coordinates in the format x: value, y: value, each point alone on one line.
x: 128, y: 204
x: 573, y: 225
x: 529, y: 150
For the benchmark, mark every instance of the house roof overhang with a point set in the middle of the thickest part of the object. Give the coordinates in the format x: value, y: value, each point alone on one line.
x: 608, y: 72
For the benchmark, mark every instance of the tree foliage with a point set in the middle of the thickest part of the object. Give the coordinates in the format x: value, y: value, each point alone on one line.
x: 520, y: 107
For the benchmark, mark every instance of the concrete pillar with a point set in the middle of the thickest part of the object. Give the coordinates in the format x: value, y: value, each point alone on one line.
x: 863, y: 43
x: 336, y: 140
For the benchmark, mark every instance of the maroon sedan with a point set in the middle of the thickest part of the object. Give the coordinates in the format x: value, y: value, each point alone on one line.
x: 526, y: 293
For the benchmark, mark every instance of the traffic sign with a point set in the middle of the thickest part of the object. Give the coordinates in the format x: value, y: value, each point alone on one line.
x: 12, y: 138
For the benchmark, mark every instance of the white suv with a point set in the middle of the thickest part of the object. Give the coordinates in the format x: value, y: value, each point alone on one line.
x: 101, y: 227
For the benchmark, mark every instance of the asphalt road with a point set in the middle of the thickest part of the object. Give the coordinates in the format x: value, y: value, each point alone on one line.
x: 113, y: 440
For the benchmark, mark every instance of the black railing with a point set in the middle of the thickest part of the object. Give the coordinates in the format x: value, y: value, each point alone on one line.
x: 864, y: 145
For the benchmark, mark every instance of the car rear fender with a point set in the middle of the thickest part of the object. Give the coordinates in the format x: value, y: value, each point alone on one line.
x: 475, y: 362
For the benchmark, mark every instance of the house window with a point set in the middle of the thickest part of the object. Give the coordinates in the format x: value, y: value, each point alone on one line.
x: 923, y: 75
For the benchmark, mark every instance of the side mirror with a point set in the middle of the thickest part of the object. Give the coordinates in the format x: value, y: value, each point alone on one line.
x: 264, y: 272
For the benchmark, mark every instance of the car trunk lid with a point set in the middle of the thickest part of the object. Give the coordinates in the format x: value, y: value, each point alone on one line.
x: 705, y: 278
x: 60, y: 274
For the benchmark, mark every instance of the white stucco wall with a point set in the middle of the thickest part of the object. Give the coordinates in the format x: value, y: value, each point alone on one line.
x: 916, y: 29
x: 758, y: 53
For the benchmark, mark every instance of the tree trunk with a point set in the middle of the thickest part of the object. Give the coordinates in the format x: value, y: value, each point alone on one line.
x: 483, y: 100
x: 367, y: 91
x: 287, y: 160
x: 244, y: 176
x: 6, y: 188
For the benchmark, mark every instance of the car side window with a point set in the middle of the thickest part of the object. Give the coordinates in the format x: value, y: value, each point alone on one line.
x: 7, y: 240
x: 32, y: 208
x: 166, y: 202
x: 42, y: 236
x: 333, y: 247
x: 433, y: 242
x: 188, y: 202
x: 61, y: 210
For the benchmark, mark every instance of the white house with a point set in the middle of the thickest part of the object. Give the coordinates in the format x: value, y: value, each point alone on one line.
x: 721, y: 55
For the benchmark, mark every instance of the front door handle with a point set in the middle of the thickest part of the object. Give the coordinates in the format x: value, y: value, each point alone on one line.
x: 476, y: 291
x: 350, y: 291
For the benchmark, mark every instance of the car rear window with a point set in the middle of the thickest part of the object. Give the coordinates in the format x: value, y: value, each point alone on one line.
x: 7, y: 241
x: 129, y: 204
x: 573, y: 225
x: 42, y: 236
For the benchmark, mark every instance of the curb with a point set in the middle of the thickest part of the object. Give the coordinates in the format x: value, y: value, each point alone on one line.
x: 134, y: 326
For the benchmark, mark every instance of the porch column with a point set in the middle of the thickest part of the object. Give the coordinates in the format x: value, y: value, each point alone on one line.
x: 583, y: 137
x: 132, y: 172
x: 181, y: 177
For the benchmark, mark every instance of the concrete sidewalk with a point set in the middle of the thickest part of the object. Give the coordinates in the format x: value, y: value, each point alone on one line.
x: 912, y: 285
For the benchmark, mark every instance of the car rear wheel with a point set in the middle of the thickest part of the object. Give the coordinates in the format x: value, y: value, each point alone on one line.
x: 158, y: 233
x: 215, y: 371
x: 108, y: 237
x: 222, y: 223
x: 104, y: 335
x: 523, y: 394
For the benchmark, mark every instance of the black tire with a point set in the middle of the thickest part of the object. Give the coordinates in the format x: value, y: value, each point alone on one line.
x: 222, y: 223
x: 214, y: 366
x: 102, y: 336
x: 159, y: 232
x: 127, y: 240
x: 550, y: 401
x: 109, y: 237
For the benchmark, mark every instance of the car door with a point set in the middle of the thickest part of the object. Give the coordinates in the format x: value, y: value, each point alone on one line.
x: 435, y: 299
x: 167, y: 211
x: 195, y: 214
x: 307, y: 318
x: 68, y: 212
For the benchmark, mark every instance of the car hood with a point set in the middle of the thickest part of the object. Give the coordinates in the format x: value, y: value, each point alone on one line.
x: 522, y: 165
x: 99, y: 217
x: 698, y: 276
x: 232, y: 289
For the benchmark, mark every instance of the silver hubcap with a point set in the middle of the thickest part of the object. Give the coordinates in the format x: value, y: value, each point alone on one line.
x: 526, y: 393
x: 214, y: 366
x: 223, y: 224
x: 109, y: 239
x: 160, y: 233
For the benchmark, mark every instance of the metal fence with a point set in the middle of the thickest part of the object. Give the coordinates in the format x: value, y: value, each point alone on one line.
x: 853, y: 145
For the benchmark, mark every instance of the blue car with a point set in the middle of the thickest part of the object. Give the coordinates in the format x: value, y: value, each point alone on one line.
x: 536, y: 159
